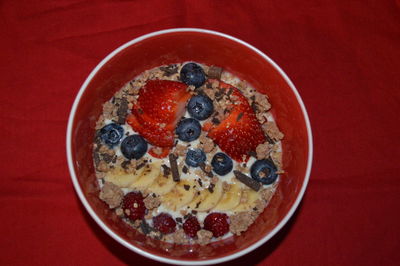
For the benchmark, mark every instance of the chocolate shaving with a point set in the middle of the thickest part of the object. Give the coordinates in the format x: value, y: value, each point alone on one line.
x: 169, y: 70
x: 200, y: 182
x: 253, y: 153
x: 166, y: 170
x: 214, y: 72
x: 254, y: 106
x: 146, y: 228
x: 203, y: 168
x: 96, y: 157
x: 240, y: 115
x: 215, y: 121
x: 174, y: 167
x: 186, y: 187
x: 179, y: 220
x: 211, y: 188
x: 122, y: 111
x: 197, y: 205
x: 107, y: 157
x: 248, y: 181
x: 230, y: 91
x: 140, y: 166
x: 185, y: 169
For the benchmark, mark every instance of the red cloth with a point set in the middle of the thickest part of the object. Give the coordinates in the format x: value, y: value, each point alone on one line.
x: 343, y: 56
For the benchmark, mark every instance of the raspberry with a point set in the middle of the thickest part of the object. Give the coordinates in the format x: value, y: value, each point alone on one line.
x: 217, y: 223
x: 164, y: 223
x: 191, y: 226
x: 133, y: 206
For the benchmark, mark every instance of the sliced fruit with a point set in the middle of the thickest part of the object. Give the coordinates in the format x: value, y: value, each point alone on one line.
x: 251, y: 197
x: 180, y: 195
x: 207, y: 200
x: 240, y: 132
x: 230, y: 199
x: 162, y: 185
x: 149, y: 175
x: 119, y: 177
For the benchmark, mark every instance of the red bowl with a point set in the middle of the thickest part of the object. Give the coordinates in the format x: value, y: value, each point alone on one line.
x: 211, y: 48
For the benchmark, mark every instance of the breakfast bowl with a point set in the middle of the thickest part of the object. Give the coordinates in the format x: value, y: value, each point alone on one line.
x: 209, y: 48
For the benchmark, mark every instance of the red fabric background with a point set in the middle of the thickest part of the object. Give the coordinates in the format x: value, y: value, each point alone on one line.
x: 343, y: 56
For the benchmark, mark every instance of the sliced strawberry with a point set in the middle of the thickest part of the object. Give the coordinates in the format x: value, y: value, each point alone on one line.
x: 159, y: 154
x: 240, y: 132
x: 160, y: 105
x: 163, y: 100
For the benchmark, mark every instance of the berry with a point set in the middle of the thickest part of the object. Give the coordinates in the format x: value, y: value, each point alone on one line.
x: 221, y: 163
x: 188, y: 129
x: 200, y: 107
x: 160, y: 105
x: 192, y: 74
x: 217, y: 223
x: 133, y: 147
x: 133, y: 206
x: 164, y: 223
x: 191, y: 226
x: 240, y: 132
x: 264, y: 171
x: 111, y: 134
x: 194, y: 157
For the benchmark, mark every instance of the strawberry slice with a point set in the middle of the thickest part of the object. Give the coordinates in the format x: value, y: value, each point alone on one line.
x: 160, y: 105
x: 240, y: 132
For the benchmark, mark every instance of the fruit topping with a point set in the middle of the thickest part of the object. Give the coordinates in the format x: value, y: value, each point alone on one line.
x: 191, y: 226
x: 164, y: 223
x: 160, y: 105
x: 188, y: 129
x: 133, y: 206
x: 192, y: 74
x: 111, y: 134
x: 200, y: 107
x: 239, y: 133
x: 194, y: 157
x: 217, y: 223
x: 264, y: 171
x: 221, y: 163
x: 133, y: 147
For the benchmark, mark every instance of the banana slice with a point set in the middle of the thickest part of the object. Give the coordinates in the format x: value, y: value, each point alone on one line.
x: 149, y: 175
x: 162, y: 185
x: 207, y: 200
x: 230, y: 199
x: 251, y: 197
x: 119, y: 177
x: 180, y: 195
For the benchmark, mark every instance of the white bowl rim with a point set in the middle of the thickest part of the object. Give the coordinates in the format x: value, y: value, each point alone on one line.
x: 161, y: 258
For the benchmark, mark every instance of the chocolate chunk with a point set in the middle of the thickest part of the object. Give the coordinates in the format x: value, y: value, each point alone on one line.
x: 253, y: 153
x: 200, y: 182
x: 197, y: 204
x: 230, y: 91
x: 203, y: 168
x: 186, y: 187
x: 185, y: 169
x: 214, y: 72
x: 254, y: 106
x: 166, y: 170
x: 248, y: 181
x: 122, y: 111
x: 179, y: 220
x: 146, y: 229
x: 169, y: 70
x: 211, y: 188
x: 215, y: 121
x: 96, y: 158
x: 269, y: 139
x: 174, y: 167
x: 107, y: 157
x: 240, y: 115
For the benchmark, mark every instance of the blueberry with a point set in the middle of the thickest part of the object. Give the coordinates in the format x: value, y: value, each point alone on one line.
x: 192, y: 74
x: 221, y: 163
x: 133, y: 147
x: 194, y: 157
x: 200, y: 107
x: 111, y: 134
x: 188, y: 129
x: 264, y: 171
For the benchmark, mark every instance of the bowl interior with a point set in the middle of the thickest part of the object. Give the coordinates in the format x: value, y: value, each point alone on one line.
x: 211, y: 50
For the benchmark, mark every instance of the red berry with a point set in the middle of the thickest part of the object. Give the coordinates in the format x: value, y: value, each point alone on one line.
x: 133, y: 206
x: 217, y: 223
x: 164, y: 223
x: 191, y: 226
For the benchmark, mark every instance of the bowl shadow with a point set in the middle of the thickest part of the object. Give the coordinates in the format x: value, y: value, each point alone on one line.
x: 129, y: 257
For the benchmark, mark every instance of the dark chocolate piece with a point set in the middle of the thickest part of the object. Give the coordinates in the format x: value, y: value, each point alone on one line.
x: 140, y: 166
x: 253, y: 153
x: 185, y: 169
x: 211, y: 188
x: 122, y: 111
x: 215, y: 121
x: 240, y: 115
x: 248, y: 181
x: 107, y: 157
x: 179, y: 220
x: 200, y: 182
x: 174, y: 167
x: 197, y: 204
x: 169, y: 70
x: 186, y: 187
x: 203, y: 168
x: 166, y: 170
x: 146, y: 228
x: 214, y: 72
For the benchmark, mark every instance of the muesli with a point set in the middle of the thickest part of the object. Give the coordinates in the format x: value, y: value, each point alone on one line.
x: 187, y: 153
